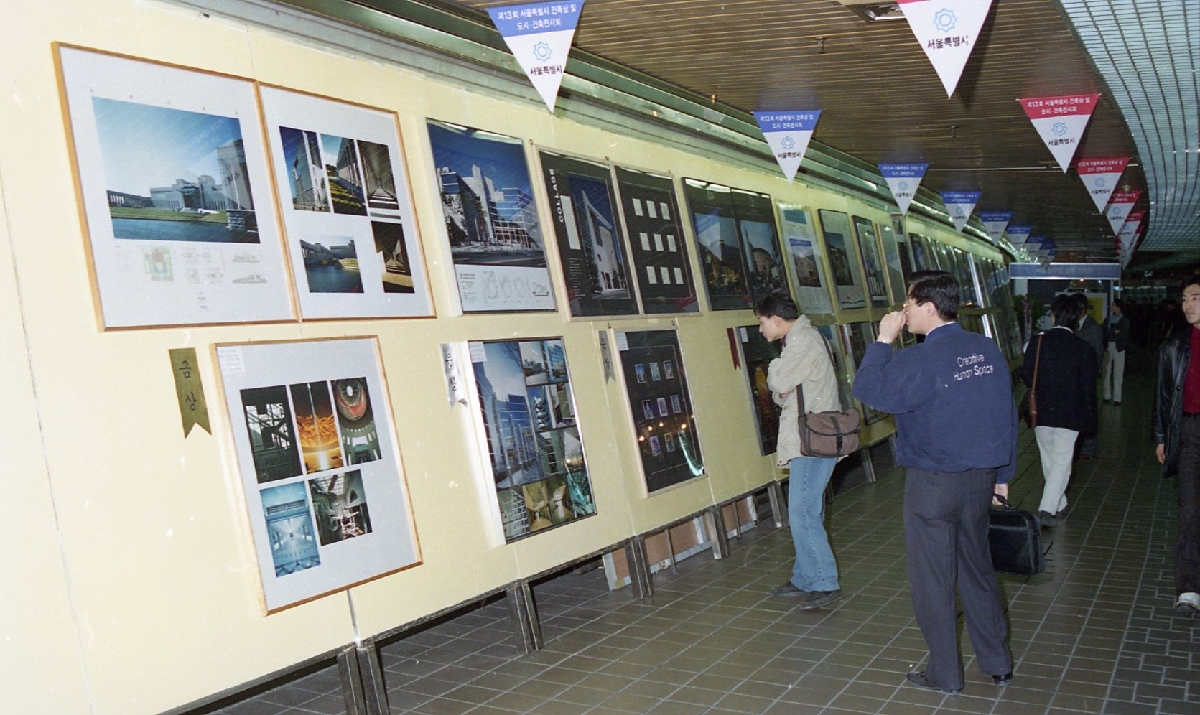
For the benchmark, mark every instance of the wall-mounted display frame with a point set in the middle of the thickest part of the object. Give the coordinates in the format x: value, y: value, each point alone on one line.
x: 843, y: 260
x: 757, y: 353
x: 529, y: 434
x: 661, y: 407
x: 662, y: 267
x: 873, y: 267
x: 892, y: 252
x: 347, y: 208
x: 320, y: 469
x: 737, y: 242
x: 591, y: 251
x: 808, y: 268
x: 491, y: 220
x: 855, y: 338
x: 922, y: 260
x: 833, y: 338
x: 175, y: 192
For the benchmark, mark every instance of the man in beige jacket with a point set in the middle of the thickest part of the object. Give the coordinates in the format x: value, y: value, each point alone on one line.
x: 805, y: 372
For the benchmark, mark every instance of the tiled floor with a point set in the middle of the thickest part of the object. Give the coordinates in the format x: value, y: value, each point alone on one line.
x: 1094, y: 634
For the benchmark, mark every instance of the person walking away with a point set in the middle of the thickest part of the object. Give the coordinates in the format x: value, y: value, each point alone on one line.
x: 1065, y: 394
x: 1177, y: 439
x: 1092, y: 334
x: 956, y: 432
x: 1116, y: 337
x: 803, y: 369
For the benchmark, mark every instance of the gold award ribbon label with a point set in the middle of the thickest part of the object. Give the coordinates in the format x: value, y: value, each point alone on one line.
x: 189, y: 390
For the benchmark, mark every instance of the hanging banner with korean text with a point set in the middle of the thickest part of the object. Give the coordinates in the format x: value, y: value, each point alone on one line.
x: 960, y: 204
x: 1060, y: 122
x: 189, y: 390
x: 1048, y: 250
x: 903, y: 180
x: 539, y: 35
x: 994, y: 223
x: 1129, y: 231
x: 1100, y: 176
x: 788, y: 133
x: 1119, y: 207
x: 1018, y: 235
x: 1033, y: 245
x: 947, y: 31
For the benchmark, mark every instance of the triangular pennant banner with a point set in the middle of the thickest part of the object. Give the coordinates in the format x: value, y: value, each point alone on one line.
x: 994, y: 222
x: 947, y: 31
x: 1060, y: 122
x: 1048, y: 250
x: 539, y: 35
x: 788, y: 133
x: 1119, y: 207
x: 1018, y: 235
x: 903, y: 180
x: 960, y: 204
x: 1129, y: 231
x: 1033, y: 246
x: 1100, y: 176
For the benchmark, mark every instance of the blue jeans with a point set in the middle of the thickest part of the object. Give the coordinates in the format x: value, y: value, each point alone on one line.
x: 815, y: 569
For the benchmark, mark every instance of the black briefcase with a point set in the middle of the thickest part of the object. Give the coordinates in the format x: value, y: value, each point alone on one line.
x: 1015, y: 538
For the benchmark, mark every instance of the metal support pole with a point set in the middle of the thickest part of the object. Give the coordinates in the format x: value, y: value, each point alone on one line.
x: 714, y: 522
x: 352, y: 685
x: 639, y: 567
x: 775, y: 496
x: 868, y: 464
x: 524, y: 614
x: 371, y: 672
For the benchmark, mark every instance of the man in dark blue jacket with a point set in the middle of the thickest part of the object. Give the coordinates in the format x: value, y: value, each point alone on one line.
x: 956, y: 431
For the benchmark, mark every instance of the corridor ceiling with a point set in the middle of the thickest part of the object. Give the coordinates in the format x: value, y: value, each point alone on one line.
x: 882, y: 101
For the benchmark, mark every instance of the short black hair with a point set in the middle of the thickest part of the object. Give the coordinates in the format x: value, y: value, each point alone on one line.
x: 776, y: 305
x: 1192, y: 280
x: 1066, y: 310
x: 1118, y: 303
x: 937, y: 287
x: 1082, y: 300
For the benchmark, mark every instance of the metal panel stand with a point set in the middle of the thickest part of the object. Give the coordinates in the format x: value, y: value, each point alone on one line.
x: 868, y: 464
x: 524, y: 614
x: 714, y: 522
x: 352, y: 685
x: 639, y: 567
x: 371, y: 672
x: 775, y: 496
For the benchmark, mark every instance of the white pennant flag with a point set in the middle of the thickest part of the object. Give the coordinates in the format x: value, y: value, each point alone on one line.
x: 947, y: 31
x: 994, y: 222
x: 1017, y: 235
x: 1060, y: 122
x: 1129, y: 231
x: 788, y: 134
x: 1119, y: 207
x: 960, y: 204
x: 1100, y: 176
x: 539, y: 35
x: 903, y: 180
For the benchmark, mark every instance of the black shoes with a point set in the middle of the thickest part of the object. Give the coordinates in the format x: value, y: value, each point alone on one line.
x: 817, y: 599
x: 1002, y: 680
x: 918, y: 679
x: 1047, y: 520
x: 787, y: 590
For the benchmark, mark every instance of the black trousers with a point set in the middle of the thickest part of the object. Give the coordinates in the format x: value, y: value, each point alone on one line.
x: 1187, y: 543
x: 945, y: 535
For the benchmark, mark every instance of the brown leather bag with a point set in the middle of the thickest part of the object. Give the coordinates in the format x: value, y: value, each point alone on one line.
x: 1027, y: 410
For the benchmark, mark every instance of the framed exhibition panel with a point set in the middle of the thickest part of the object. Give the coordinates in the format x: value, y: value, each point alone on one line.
x: 595, y: 263
x: 659, y: 254
x: 922, y: 260
x: 491, y: 220
x: 525, y: 416
x: 661, y: 407
x: 855, y: 337
x: 320, y: 470
x: 868, y: 250
x: 847, y: 275
x: 346, y: 206
x: 757, y: 354
x: 892, y: 253
x: 175, y: 191
x: 808, y: 270
x: 738, y: 244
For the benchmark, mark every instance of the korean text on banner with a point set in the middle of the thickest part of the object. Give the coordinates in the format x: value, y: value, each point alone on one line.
x: 903, y: 180
x: 960, y: 204
x: 540, y: 35
x: 1119, y: 207
x: 1100, y: 176
x: 947, y: 31
x: 1060, y: 122
x: 994, y: 223
x: 788, y: 134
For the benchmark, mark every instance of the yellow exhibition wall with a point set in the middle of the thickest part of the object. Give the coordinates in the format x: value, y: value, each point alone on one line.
x: 132, y: 583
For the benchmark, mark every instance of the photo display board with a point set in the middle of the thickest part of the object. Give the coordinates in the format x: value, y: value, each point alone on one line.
x: 800, y: 238
x: 526, y: 417
x: 738, y: 244
x: 868, y: 249
x: 833, y: 339
x: 757, y: 354
x: 847, y: 275
x: 661, y: 265
x: 595, y: 264
x: 173, y: 178
x: 491, y: 220
x: 347, y: 210
x: 922, y: 261
x: 661, y: 407
x: 895, y: 259
x: 855, y: 339
x: 321, y: 473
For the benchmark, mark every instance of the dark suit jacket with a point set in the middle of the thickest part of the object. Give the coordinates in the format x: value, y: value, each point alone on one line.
x: 1066, y: 380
